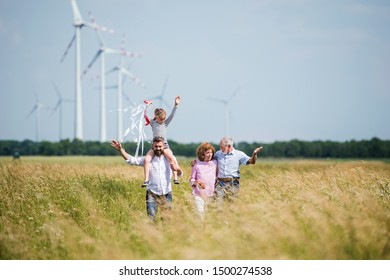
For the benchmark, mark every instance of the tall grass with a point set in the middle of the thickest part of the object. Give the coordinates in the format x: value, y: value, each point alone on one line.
x: 94, y: 208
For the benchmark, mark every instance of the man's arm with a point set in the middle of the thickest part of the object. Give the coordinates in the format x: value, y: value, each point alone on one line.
x: 118, y: 146
x: 253, y: 158
x: 129, y: 159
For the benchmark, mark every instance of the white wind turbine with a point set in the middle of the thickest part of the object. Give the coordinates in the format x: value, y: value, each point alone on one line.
x: 78, y: 24
x: 37, y: 107
x: 123, y: 71
x: 120, y: 78
x: 161, y: 96
x: 226, y: 102
x: 103, y: 50
x: 59, y: 106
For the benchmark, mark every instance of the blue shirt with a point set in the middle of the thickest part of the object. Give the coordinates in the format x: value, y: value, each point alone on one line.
x: 229, y: 164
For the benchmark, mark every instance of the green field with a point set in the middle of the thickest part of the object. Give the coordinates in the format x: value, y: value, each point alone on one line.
x: 94, y: 208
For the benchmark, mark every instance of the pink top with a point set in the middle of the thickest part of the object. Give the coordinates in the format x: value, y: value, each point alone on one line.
x: 205, y: 171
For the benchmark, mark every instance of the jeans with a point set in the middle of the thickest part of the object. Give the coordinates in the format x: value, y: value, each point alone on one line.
x: 225, y: 190
x: 154, y: 201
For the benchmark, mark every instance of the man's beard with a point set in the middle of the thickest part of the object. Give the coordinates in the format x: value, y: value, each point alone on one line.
x: 158, y: 152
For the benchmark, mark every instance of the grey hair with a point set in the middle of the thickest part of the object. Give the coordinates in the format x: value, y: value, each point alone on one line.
x: 228, y: 141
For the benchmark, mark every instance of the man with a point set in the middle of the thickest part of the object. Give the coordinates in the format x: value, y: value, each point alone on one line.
x: 159, y: 190
x: 229, y: 162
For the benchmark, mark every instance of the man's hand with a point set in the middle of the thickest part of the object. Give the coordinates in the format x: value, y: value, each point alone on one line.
x: 257, y: 150
x: 116, y: 144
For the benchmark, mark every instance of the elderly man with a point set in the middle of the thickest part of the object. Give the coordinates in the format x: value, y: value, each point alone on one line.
x: 159, y: 190
x: 229, y: 162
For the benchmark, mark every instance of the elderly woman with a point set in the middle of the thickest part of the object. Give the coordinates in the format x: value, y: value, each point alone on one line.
x: 203, y: 176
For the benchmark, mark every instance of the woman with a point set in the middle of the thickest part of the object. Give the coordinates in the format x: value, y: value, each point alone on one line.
x: 203, y: 176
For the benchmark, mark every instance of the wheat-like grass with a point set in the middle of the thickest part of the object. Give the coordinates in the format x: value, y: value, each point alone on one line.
x: 94, y: 208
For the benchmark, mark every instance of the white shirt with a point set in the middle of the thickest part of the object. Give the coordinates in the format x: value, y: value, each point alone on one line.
x: 160, y: 173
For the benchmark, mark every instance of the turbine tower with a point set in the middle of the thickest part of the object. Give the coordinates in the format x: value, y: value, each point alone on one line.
x: 226, y: 102
x: 122, y: 73
x: 120, y: 87
x: 79, y: 23
x: 59, y: 106
x: 103, y: 50
x: 37, y: 107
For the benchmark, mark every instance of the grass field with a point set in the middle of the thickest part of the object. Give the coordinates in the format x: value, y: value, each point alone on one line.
x: 94, y: 208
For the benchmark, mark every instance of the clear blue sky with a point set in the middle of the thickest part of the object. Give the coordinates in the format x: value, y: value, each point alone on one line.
x: 305, y: 69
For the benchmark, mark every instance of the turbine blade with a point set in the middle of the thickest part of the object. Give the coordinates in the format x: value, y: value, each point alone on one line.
x: 112, y: 51
x: 133, y: 78
x: 217, y: 100
x: 36, y: 97
x: 56, y: 89
x: 131, y: 54
x: 154, y: 98
x: 96, y: 26
x: 95, y: 78
x: 68, y: 48
x: 55, y: 108
x: 234, y: 93
x: 112, y: 70
x: 91, y: 63
x: 78, y: 20
x: 125, y: 96
x: 124, y: 52
x: 164, y: 86
x: 32, y: 111
x: 166, y: 103
x: 46, y: 107
x: 99, y: 28
x: 128, y: 69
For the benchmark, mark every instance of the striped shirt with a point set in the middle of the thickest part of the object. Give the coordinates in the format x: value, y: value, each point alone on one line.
x: 161, y: 129
x: 206, y: 172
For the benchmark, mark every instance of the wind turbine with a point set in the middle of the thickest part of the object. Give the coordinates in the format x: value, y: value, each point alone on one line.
x: 103, y: 50
x: 123, y: 71
x: 161, y: 96
x: 122, y: 84
x: 79, y: 23
x: 59, y: 106
x: 226, y: 102
x: 37, y: 107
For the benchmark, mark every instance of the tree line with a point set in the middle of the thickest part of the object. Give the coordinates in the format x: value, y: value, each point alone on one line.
x: 374, y: 148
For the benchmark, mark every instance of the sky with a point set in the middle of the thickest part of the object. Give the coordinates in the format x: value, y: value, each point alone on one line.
x: 287, y: 69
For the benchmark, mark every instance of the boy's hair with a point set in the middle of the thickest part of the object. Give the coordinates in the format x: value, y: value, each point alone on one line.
x: 201, y: 150
x: 160, y: 112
